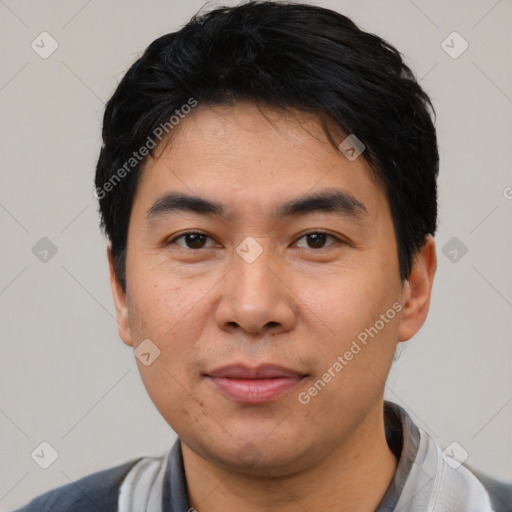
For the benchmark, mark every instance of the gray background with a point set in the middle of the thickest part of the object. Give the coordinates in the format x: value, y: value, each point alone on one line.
x: 65, y: 376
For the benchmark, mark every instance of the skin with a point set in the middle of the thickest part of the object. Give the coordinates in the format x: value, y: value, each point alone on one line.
x: 297, y: 305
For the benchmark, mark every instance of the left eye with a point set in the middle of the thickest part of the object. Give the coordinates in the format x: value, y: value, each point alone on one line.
x: 316, y: 240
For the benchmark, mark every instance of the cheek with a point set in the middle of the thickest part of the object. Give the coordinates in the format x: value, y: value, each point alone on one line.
x: 347, y: 308
x: 353, y: 369
x: 341, y: 304
x: 172, y: 318
x: 172, y: 394
x: 161, y: 304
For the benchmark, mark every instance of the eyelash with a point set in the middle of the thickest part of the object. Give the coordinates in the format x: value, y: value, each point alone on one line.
x: 336, y: 239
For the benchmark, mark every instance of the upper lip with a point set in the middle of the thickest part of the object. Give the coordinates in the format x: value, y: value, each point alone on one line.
x: 262, y: 371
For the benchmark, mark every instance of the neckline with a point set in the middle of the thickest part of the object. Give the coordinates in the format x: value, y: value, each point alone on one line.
x: 402, y: 436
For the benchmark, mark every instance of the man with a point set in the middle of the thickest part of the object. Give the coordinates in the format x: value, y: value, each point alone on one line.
x: 267, y: 183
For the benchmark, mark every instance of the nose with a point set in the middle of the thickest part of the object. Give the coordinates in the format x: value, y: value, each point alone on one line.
x: 256, y: 298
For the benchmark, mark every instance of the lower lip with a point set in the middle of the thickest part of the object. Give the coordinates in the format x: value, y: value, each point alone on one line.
x: 255, y: 391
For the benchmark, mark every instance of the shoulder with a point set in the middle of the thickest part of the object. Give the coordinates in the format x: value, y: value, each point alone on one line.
x: 98, y: 491
x: 500, y: 492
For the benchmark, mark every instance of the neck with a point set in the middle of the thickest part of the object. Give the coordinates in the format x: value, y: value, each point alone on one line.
x: 353, y: 478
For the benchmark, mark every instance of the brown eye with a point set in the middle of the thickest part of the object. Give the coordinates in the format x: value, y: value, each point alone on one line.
x: 192, y: 240
x: 315, y: 240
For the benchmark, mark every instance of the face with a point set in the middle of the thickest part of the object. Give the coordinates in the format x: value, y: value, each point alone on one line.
x: 262, y: 264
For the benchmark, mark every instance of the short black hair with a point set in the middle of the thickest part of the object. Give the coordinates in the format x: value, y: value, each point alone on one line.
x: 287, y: 56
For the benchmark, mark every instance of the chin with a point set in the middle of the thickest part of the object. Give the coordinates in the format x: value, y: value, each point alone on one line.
x: 256, y: 454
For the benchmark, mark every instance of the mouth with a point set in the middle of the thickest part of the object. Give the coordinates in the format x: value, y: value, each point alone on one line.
x: 254, y: 385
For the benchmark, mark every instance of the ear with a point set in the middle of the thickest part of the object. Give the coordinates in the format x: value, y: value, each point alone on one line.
x: 119, y: 295
x: 417, y: 290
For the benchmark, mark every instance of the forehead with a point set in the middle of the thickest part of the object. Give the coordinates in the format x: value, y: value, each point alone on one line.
x: 247, y: 155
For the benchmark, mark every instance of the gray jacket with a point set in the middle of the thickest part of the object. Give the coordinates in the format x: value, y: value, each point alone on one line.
x: 425, y: 480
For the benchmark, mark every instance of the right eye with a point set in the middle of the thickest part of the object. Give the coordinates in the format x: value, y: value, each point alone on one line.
x: 192, y: 240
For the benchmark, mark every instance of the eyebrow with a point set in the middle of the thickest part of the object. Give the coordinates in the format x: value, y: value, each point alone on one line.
x: 337, y: 201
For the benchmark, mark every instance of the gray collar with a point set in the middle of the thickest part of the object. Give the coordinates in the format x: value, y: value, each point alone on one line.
x: 401, y: 433
x: 403, y: 438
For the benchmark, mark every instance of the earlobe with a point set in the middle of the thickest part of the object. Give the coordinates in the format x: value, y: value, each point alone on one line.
x: 417, y: 290
x: 119, y: 296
